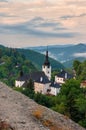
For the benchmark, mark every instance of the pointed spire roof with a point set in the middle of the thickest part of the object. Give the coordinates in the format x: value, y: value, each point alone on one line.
x: 46, y: 62
x: 21, y: 73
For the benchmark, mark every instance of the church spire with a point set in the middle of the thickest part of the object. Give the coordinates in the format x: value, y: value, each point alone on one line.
x: 46, y: 67
x: 46, y: 62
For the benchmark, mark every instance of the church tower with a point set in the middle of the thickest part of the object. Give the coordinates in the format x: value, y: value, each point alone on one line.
x: 46, y: 67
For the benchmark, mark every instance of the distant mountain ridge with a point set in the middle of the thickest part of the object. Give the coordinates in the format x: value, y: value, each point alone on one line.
x: 65, y: 54
x: 38, y: 59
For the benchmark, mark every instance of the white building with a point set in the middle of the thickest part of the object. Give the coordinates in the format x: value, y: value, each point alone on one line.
x: 20, y: 81
x: 62, y: 77
x: 42, y: 85
x: 54, y: 88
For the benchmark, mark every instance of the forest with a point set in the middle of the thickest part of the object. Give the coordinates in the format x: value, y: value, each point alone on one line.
x: 11, y: 63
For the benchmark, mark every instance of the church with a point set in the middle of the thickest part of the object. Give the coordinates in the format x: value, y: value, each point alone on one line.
x: 41, y: 79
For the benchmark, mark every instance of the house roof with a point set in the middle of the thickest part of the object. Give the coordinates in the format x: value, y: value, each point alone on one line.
x: 38, y: 76
x: 64, y: 74
x: 23, y: 78
x: 55, y: 85
x: 43, y: 80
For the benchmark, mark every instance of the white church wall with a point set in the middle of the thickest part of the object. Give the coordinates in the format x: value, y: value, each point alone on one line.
x: 47, y: 71
x: 54, y: 91
x: 46, y: 87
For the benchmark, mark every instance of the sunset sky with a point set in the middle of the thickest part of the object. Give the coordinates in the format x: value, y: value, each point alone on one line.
x: 25, y: 23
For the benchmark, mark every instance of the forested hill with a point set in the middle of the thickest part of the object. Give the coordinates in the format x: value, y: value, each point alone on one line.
x: 38, y: 59
x: 11, y: 63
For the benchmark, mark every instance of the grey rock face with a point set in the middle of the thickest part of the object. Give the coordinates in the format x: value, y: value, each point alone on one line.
x: 17, y: 110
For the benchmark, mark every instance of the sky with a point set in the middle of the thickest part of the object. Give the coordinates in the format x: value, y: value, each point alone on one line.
x: 25, y: 23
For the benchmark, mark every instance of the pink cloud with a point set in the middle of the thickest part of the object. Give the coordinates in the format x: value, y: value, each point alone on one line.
x: 21, y: 11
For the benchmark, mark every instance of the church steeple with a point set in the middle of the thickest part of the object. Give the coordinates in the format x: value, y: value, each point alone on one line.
x: 46, y: 62
x: 46, y: 68
x: 21, y: 73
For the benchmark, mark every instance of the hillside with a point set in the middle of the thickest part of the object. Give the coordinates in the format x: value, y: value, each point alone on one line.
x: 11, y: 63
x: 38, y: 59
x: 65, y: 54
x: 22, y: 113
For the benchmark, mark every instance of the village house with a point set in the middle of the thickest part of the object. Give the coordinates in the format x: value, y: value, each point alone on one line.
x: 62, y: 77
x: 54, y: 88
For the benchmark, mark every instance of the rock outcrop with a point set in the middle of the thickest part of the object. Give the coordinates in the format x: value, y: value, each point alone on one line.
x: 19, y: 112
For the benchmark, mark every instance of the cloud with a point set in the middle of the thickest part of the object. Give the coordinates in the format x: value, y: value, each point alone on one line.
x: 39, y: 22
x: 80, y: 55
x: 3, y: 0
x: 18, y: 29
x: 72, y: 16
x: 76, y: 3
x: 37, y: 27
x: 44, y: 23
x: 48, y: 24
x: 58, y: 21
x: 60, y: 28
x: 6, y: 15
x: 3, y: 14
